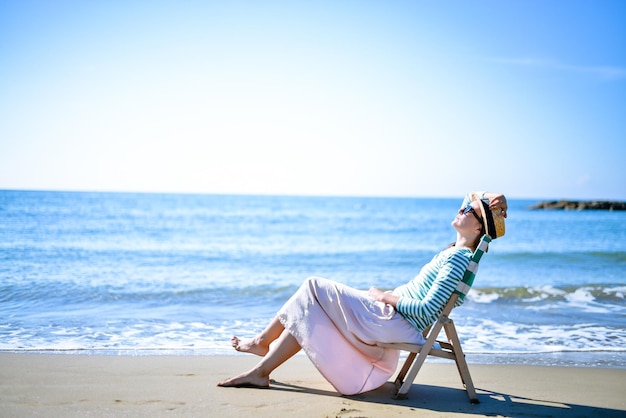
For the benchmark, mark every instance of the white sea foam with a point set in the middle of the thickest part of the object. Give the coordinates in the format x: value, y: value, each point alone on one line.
x: 580, y: 296
x: 478, y: 296
x: 507, y: 337
x: 618, y: 291
x: 543, y: 293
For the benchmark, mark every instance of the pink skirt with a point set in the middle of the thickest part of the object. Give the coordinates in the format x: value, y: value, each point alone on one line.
x: 338, y: 328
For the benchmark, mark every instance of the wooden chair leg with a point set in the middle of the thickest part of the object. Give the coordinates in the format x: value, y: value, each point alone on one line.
x: 417, y: 363
x: 401, y: 374
x: 461, y: 364
x: 408, y: 381
x: 405, y: 367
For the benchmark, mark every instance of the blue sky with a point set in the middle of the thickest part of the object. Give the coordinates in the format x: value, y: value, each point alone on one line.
x: 369, y: 98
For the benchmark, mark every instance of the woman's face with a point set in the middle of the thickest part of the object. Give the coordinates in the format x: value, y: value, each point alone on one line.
x: 468, y: 219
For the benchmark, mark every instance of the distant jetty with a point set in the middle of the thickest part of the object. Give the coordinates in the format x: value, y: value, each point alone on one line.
x: 580, y: 205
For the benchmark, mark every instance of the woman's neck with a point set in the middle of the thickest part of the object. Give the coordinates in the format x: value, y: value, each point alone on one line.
x: 465, y: 242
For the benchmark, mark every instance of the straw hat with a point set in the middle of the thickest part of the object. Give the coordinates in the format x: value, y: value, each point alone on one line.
x: 493, y: 220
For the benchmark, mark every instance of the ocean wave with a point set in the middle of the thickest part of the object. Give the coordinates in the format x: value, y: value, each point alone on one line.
x: 550, y: 350
x: 122, y: 337
x: 492, y: 336
x: 511, y: 254
x: 480, y: 338
x: 536, y: 294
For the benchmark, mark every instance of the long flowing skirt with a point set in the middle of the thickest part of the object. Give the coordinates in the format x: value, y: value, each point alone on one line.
x: 338, y: 328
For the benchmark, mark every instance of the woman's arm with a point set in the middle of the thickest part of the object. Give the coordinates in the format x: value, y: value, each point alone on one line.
x: 496, y: 200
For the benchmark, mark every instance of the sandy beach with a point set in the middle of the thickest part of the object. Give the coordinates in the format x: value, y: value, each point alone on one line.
x: 33, y: 385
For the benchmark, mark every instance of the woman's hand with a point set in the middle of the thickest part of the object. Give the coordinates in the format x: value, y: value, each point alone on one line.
x: 384, y: 297
x: 376, y: 293
x: 497, y: 201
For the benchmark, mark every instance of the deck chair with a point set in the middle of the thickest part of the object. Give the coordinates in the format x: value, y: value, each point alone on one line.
x: 450, y: 349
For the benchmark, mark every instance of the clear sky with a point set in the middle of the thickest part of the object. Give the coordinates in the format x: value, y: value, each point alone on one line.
x: 369, y: 98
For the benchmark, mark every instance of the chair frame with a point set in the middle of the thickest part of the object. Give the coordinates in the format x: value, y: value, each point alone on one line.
x: 450, y: 349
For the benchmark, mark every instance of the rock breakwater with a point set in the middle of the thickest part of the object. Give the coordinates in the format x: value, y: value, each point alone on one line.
x: 580, y: 205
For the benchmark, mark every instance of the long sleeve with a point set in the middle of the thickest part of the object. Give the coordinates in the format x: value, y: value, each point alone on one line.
x: 423, y: 298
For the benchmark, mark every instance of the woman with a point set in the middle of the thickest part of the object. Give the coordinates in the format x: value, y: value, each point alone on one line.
x: 338, y: 326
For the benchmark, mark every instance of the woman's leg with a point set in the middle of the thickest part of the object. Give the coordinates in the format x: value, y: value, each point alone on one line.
x: 259, y: 376
x: 260, y: 344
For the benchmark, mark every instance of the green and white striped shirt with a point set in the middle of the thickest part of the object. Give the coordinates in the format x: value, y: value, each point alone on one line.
x: 422, y: 299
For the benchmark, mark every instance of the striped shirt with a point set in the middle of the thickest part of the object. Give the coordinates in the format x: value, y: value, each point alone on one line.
x: 422, y: 299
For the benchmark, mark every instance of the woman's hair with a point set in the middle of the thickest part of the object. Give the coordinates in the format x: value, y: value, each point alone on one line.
x: 482, y: 232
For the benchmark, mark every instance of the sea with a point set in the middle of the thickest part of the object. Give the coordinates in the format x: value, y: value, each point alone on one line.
x: 179, y: 274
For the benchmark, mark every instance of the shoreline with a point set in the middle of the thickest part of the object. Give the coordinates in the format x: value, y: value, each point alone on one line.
x: 606, y: 359
x: 163, y: 385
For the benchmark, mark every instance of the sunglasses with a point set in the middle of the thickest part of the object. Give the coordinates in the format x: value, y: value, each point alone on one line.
x: 470, y: 208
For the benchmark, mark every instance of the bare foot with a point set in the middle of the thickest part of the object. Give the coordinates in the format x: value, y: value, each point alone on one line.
x: 253, y: 346
x: 249, y: 379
